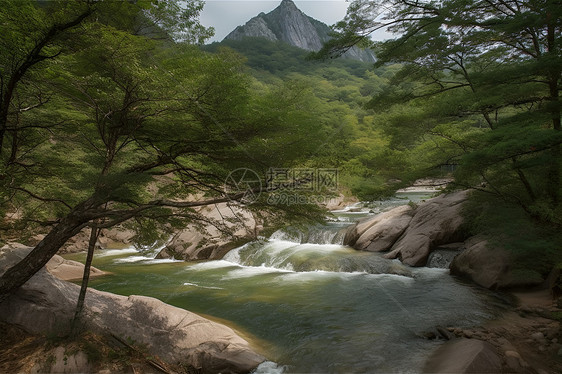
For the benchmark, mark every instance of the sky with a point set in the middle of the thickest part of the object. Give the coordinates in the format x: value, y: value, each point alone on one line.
x: 225, y: 15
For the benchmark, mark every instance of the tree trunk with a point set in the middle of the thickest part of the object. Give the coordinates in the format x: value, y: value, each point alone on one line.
x: 554, y: 74
x: 85, y: 278
x: 20, y: 273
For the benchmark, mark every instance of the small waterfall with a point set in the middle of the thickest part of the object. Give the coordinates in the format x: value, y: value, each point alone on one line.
x: 330, y: 233
x: 144, y: 254
x: 308, y: 257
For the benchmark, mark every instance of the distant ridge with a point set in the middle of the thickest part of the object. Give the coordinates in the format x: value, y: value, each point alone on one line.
x: 289, y: 24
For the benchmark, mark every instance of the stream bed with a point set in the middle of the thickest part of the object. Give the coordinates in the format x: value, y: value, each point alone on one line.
x: 309, y: 304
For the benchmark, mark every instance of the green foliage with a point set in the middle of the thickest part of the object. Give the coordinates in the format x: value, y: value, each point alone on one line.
x: 134, y: 121
x: 534, y: 245
x: 355, y: 139
x: 474, y: 85
x: 280, y: 58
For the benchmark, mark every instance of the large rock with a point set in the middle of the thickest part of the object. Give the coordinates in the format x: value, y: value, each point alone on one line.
x: 411, y: 234
x: 46, y: 305
x: 59, y: 267
x: 379, y: 233
x: 464, y: 356
x: 339, y: 202
x: 227, y: 227
x: 70, y: 270
x: 116, y: 237
x: 491, y: 267
x: 437, y: 221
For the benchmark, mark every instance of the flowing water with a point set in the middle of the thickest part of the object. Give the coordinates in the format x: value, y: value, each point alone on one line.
x: 311, y: 304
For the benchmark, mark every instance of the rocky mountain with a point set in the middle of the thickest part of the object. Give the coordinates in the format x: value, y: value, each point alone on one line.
x: 289, y: 24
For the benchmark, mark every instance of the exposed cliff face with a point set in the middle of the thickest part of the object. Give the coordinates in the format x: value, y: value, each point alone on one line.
x: 256, y: 27
x: 289, y: 24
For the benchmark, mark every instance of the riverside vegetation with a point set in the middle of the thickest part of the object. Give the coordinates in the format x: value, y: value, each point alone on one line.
x: 112, y: 113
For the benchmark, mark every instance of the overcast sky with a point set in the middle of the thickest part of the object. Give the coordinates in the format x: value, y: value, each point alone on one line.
x: 225, y: 15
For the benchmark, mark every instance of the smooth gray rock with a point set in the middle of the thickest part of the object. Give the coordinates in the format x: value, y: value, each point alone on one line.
x: 209, y: 240
x: 490, y: 266
x: 59, y: 267
x: 412, y: 233
x: 70, y: 270
x: 461, y: 356
x: 46, y: 305
x: 437, y: 221
x: 380, y: 232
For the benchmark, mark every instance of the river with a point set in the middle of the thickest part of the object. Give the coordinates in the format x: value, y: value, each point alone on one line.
x: 309, y: 304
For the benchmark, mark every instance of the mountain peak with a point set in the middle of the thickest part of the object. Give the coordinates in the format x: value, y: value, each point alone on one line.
x: 288, y: 3
x: 287, y: 23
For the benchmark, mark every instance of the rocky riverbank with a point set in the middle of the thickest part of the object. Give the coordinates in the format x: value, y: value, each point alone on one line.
x: 525, y: 339
x: 221, y: 228
x: 45, y: 305
x: 433, y: 234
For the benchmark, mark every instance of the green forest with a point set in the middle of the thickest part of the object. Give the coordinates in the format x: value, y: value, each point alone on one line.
x: 116, y: 113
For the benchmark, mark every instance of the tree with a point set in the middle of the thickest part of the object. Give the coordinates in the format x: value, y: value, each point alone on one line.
x: 136, y: 128
x: 494, y: 65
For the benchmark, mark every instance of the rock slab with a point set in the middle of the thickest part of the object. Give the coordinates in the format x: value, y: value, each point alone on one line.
x: 70, y: 270
x: 491, y: 266
x: 46, y: 305
x: 461, y: 356
x: 210, y: 241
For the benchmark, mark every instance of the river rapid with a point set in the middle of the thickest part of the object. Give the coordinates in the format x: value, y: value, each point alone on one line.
x: 308, y: 303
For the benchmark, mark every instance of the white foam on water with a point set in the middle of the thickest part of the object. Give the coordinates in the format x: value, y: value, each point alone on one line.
x: 344, y: 276
x: 269, y: 367
x: 116, y: 252
x: 314, y: 275
x: 429, y: 273
x: 392, y: 278
x: 278, y: 245
x: 251, y: 271
x: 281, y: 235
x: 200, y: 286
x: 209, y: 265
x: 161, y: 261
x: 325, y: 247
x: 132, y: 259
x: 146, y: 260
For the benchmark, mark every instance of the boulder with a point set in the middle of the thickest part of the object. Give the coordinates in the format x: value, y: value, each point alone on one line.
x: 210, y: 241
x: 380, y: 232
x: 70, y: 270
x: 338, y: 202
x: 116, y: 237
x: 57, y: 266
x: 411, y: 233
x: 491, y: 266
x: 464, y: 356
x: 436, y: 222
x: 442, y: 256
x: 382, y: 227
x: 46, y: 305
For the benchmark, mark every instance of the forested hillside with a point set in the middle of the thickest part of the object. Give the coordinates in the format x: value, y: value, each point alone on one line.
x: 482, y: 80
x: 480, y: 98
x: 361, y: 142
